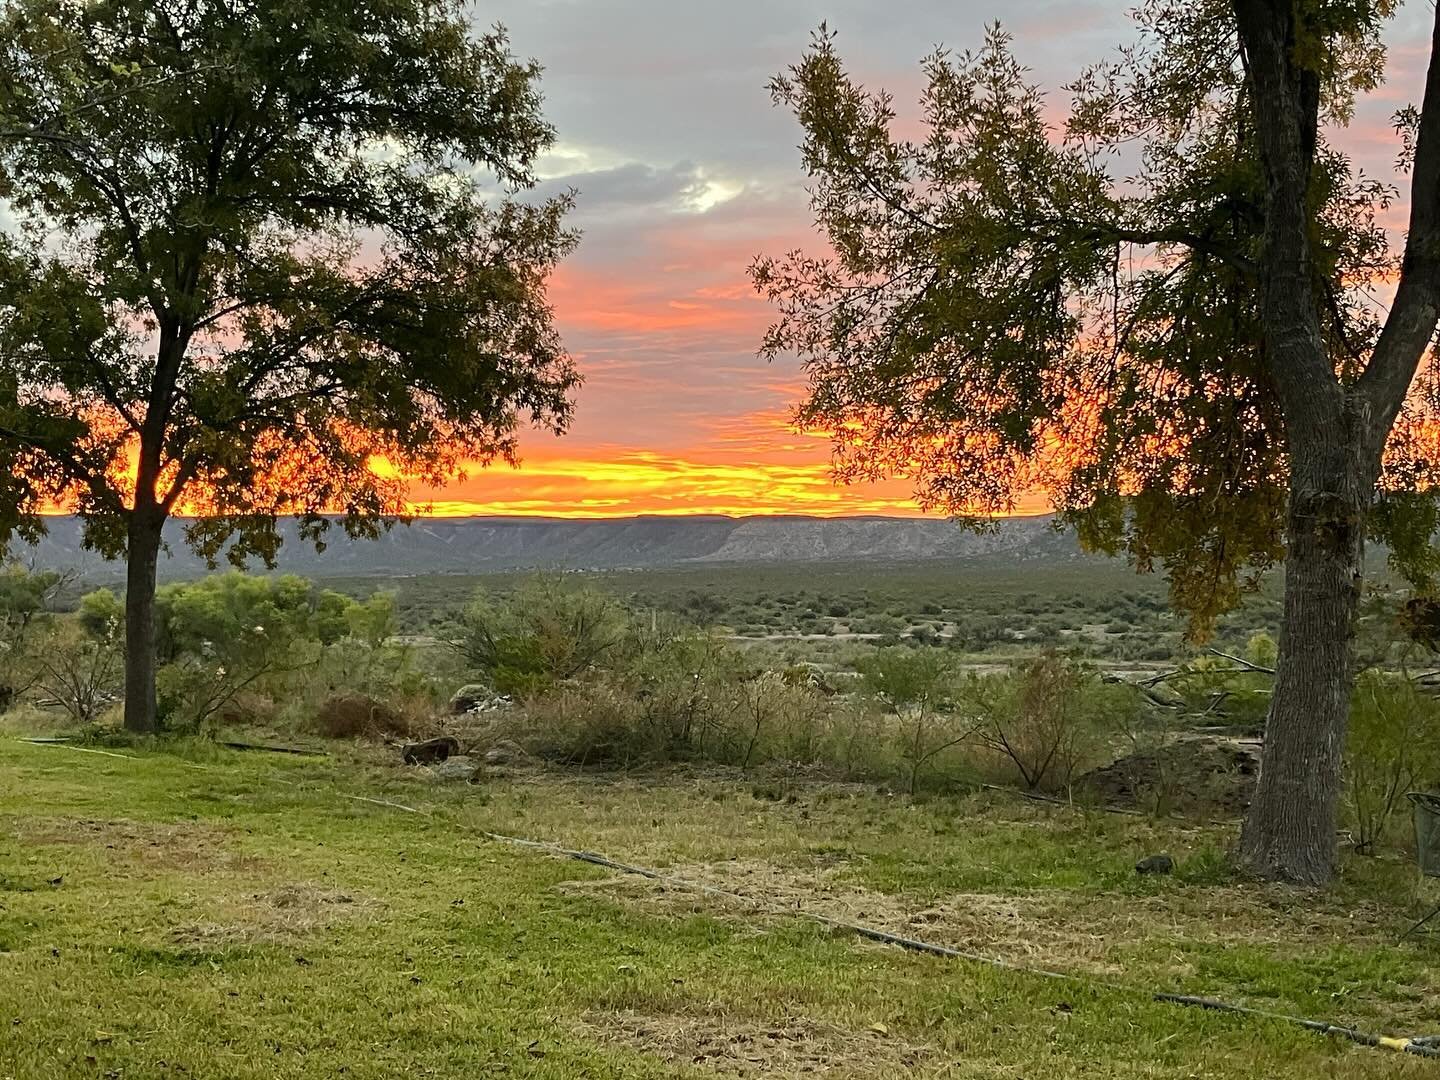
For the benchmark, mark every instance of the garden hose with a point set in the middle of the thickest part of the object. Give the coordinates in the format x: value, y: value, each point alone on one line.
x: 1420, y: 1046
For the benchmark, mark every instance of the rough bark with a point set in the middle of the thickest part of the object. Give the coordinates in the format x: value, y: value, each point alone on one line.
x: 1335, y: 435
x: 1289, y: 833
x: 143, y: 555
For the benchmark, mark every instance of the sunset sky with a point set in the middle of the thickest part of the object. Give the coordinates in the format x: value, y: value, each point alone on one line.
x: 685, y: 171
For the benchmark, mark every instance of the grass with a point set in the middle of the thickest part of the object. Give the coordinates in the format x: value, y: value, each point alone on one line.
x: 203, y: 913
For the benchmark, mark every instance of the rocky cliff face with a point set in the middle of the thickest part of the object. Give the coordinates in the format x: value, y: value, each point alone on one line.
x: 478, y: 545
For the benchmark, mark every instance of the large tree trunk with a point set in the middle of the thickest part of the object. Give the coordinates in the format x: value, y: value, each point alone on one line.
x: 142, y: 557
x: 1289, y: 833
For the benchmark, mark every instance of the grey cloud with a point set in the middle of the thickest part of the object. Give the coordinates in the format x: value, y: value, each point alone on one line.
x: 633, y: 185
x: 670, y: 80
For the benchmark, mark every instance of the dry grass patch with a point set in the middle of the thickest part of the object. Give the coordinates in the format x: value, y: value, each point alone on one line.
x: 1084, y: 934
x: 159, y: 845
x: 282, y: 915
x: 734, y: 1047
x: 1032, y: 928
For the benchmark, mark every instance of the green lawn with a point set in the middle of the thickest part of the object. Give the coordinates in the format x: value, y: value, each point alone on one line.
x: 195, y: 913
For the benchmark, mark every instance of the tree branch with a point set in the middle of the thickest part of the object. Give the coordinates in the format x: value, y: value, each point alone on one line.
x: 1410, y: 326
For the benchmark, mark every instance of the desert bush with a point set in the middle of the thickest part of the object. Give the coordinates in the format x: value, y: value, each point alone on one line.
x: 228, y: 633
x: 548, y: 631
x: 266, y: 638
x: 1393, y: 746
x: 1261, y: 649
x: 683, y: 686
x: 1216, y: 690
x: 776, y: 718
x: 350, y: 715
x: 27, y: 600
x: 575, y: 724
x: 1048, y: 719
x: 80, y: 667
x: 915, y: 685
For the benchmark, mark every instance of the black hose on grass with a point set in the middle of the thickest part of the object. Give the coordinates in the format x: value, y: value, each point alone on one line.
x: 1419, y: 1046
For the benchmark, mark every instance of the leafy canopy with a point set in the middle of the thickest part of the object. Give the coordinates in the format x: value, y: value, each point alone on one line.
x: 263, y: 244
x: 1012, y: 303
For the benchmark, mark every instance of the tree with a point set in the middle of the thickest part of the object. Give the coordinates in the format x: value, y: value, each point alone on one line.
x: 269, y: 260
x: 1186, y: 355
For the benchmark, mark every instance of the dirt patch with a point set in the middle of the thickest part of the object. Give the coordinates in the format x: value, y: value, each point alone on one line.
x: 154, y: 844
x: 732, y: 1047
x: 282, y: 915
x: 1194, y: 775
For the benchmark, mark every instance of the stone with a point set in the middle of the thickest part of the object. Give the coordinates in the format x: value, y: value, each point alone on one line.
x: 504, y: 753
x: 456, y: 768
x: 475, y: 698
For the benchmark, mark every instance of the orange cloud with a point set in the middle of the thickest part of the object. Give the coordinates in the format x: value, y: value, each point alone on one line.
x: 634, y: 481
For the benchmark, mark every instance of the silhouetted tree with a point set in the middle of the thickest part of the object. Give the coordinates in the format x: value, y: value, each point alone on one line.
x: 267, y: 257
x: 1161, y: 310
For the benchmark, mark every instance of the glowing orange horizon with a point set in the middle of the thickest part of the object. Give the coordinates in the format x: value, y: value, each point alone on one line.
x: 634, y: 482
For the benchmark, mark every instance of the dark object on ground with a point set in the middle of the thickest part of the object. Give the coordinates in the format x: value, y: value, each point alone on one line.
x: 272, y: 748
x: 430, y: 751
x: 1420, y: 619
x: 1155, y: 864
x: 345, y: 716
x: 467, y: 697
x: 1195, y: 775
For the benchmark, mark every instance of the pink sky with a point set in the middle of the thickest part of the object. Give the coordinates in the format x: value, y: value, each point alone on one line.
x: 685, y: 172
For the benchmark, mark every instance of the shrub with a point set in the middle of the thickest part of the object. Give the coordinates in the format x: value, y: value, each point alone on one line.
x: 1048, y: 718
x: 229, y: 633
x: 776, y: 718
x: 684, y: 690
x: 582, y: 725
x: 1393, y: 746
x: 915, y: 685
x: 550, y: 630
x: 1262, y: 649
x: 349, y: 716
x: 79, y: 668
x: 26, y: 600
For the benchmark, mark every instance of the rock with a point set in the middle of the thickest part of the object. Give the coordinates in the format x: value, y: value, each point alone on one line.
x: 430, y: 751
x: 456, y: 768
x: 477, y: 697
x: 468, y: 696
x: 504, y: 752
x: 1155, y: 864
